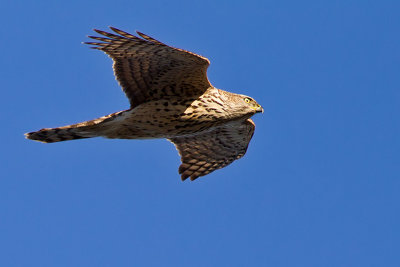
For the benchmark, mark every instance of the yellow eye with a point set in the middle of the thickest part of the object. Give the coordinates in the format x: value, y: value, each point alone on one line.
x: 247, y: 100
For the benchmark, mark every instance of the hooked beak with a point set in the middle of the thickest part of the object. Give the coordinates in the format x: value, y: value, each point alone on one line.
x: 260, y: 109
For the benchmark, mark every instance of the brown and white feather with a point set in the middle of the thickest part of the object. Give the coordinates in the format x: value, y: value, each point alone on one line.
x: 148, y: 69
x: 206, y: 152
x: 170, y: 97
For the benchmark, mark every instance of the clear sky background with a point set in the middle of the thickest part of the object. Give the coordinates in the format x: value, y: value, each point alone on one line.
x: 319, y: 185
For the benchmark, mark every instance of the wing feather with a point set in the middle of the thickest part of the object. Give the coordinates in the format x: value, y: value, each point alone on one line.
x: 206, y: 152
x: 148, y: 69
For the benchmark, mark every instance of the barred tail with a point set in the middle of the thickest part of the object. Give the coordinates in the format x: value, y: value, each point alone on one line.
x: 51, y: 135
x: 81, y: 130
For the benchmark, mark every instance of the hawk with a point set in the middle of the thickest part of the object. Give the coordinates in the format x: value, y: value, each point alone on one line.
x: 170, y: 97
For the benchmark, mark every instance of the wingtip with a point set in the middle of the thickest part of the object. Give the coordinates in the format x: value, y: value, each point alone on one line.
x: 141, y: 34
x: 114, y: 29
x: 193, y: 177
x: 98, y: 31
x: 183, y: 178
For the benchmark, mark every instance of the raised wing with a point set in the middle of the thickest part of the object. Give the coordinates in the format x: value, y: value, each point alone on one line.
x: 206, y: 152
x: 149, y: 70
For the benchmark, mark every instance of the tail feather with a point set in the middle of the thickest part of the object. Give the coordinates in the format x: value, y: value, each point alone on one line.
x: 51, y: 135
x: 81, y: 130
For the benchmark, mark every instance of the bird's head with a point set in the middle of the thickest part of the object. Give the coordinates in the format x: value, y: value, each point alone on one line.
x: 250, y: 104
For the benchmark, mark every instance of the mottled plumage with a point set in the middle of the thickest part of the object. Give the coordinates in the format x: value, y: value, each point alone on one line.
x: 171, y: 98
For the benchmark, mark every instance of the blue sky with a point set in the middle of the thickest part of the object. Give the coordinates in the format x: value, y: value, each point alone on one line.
x: 319, y: 185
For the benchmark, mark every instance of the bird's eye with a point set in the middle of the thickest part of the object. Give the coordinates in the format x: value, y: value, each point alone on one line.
x: 247, y: 100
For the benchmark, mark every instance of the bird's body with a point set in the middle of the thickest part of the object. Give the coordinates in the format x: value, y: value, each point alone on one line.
x: 173, y: 100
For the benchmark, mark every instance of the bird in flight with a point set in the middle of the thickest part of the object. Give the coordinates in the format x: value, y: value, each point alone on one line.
x: 170, y: 97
